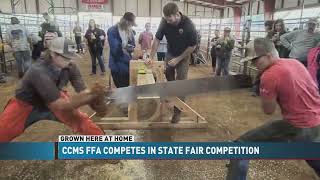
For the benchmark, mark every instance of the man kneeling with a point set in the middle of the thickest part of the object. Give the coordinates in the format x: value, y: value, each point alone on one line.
x: 40, y: 96
x: 285, y: 82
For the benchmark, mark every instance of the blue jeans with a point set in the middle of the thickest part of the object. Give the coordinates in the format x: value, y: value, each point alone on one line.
x: 23, y: 60
x: 223, y: 65
x: 39, y: 113
x: 161, y: 56
x: 275, y: 131
x: 96, y: 53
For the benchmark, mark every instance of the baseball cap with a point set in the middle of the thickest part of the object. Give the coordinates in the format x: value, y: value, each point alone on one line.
x: 227, y: 29
x: 14, y: 20
x: 313, y: 21
x: 64, y: 47
x: 129, y: 16
x: 257, y: 48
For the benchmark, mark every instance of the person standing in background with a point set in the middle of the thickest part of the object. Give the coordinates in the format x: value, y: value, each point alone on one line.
x: 121, y: 42
x: 224, y: 48
x: 213, y: 50
x: 268, y: 25
x: 95, y: 38
x: 77, y: 31
x: 46, y: 26
x: 299, y: 42
x: 145, y: 39
x: 279, y: 30
x: 162, y: 49
x: 98, y: 26
x: 193, y: 60
x: 18, y: 38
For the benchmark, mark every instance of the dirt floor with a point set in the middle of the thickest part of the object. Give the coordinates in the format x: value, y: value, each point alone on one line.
x: 229, y: 114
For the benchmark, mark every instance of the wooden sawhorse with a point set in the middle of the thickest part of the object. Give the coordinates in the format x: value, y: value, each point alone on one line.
x: 154, y: 73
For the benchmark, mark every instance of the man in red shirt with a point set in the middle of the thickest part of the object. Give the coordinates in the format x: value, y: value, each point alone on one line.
x: 285, y: 82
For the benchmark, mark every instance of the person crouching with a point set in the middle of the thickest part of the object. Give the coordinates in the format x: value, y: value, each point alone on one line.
x: 40, y: 95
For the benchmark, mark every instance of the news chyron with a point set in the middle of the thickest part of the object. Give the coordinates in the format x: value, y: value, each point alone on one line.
x: 96, y: 138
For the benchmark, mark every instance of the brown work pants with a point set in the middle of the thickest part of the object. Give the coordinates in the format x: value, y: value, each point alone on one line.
x: 182, y: 73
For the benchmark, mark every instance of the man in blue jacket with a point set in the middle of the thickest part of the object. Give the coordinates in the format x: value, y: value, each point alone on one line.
x: 121, y: 43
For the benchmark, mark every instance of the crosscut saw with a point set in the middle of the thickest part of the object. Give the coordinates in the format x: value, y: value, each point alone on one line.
x: 181, y: 88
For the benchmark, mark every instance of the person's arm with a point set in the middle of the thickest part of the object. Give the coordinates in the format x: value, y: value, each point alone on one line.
x: 154, y: 48
x: 132, y: 44
x: 158, y: 37
x: 287, y: 39
x: 87, y: 35
x: 48, y: 91
x: 114, y: 44
x: 231, y: 43
x: 185, y: 53
x: 269, y: 105
x: 268, y: 92
x: 83, y: 98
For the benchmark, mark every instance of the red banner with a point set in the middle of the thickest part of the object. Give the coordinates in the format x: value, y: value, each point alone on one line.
x: 95, y: 1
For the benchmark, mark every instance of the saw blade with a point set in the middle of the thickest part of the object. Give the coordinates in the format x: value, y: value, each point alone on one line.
x: 181, y: 88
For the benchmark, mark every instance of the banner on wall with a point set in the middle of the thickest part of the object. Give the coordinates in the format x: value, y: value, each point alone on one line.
x: 124, y: 147
x: 94, y: 5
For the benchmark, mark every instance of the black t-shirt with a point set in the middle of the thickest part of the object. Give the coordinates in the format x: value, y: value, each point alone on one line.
x: 179, y: 37
x: 42, y: 83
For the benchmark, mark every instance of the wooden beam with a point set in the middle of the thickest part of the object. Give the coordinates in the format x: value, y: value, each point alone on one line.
x: 114, y: 119
x: 182, y: 106
x: 133, y: 107
x: 144, y: 79
x: 160, y: 118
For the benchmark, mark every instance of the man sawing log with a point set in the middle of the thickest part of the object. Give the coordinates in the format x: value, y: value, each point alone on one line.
x: 39, y: 95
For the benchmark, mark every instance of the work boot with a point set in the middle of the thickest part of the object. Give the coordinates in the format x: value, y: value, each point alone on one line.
x: 176, y: 115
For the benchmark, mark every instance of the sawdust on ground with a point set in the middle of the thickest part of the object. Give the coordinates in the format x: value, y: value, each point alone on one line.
x: 229, y: 114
